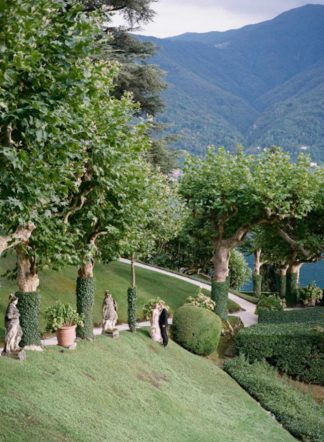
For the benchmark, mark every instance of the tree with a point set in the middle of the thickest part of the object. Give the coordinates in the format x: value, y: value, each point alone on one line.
x: 239, y: 271
x: 157, y: 216
x: 47, y: 79
x: 231, y: 193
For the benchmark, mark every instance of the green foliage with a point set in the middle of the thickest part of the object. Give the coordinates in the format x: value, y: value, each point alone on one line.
x: 61, y: 315
x: 219, y: 294
x: 291, y: 289
x: 295, y: 349
x: 239, y: 270
x: 282, y: 286
x: 196, y: 329
x: 150, y: 305
x: 201, y: 300
x: 311, y: 293
x: 269, y: 303
x: 257, y: 285
x: 305, y: 315
x: 294, y: 409
x: 28, y: 306
x: 131, y: 299
x: 85, y: 289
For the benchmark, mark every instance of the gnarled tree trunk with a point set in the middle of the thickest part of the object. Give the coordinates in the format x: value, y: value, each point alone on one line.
x: 85, y: 289
x: 292, y: 283
x: 220, y: 284
x: 131, y: 298
x: 283, y: 280
x: 22, y: 234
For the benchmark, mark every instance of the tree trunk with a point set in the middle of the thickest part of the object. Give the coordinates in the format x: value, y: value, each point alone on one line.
x: 292, y: 284
x: 282, y: 281
x: 22, y: 234
x: 28, y: 299
x: 220, y: 285
x: 257, y: 277
x: 133, y: 272
x: 85, y: 289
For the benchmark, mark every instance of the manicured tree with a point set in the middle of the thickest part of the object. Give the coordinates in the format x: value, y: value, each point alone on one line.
x: 47, y: 77
x: 239, y: 271
x: 232, y: 193
x: 157, y: 216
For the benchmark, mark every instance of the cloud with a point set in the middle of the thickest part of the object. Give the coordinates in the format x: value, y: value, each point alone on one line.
x: 175, y: 17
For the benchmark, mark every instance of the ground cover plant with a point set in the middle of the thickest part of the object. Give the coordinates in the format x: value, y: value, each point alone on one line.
x: 296, y: 410
x: 312, y: 314
x: 127, y: 389
x: 115, y: 277
x: 294, y: 348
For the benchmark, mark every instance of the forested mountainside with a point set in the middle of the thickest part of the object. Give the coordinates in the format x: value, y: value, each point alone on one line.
x: 257, y: 86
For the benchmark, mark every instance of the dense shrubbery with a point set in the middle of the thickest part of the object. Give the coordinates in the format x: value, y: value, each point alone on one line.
x: 295, y: 349
x: 296, y: 410
x: 196, y: 329
x: 269, y: 303
x: 306, y: 315
x: 239, y: 270
x: 202, y: 301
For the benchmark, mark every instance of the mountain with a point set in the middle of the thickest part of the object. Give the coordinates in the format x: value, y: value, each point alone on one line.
x: 257, y: 86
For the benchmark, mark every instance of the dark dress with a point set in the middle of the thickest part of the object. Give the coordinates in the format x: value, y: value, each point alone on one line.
x: 163, y: 323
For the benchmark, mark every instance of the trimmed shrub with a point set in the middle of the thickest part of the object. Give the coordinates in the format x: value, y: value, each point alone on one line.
x: 131, y: 299
x: 202, y: 301
x: 28, y: 306
x: 305, y: 315
x: 85, y: 289
x: 294, y: 409
x: 219, y: 294
x: 295, y: 349
x: 196, y: 329
x: 269, y: 303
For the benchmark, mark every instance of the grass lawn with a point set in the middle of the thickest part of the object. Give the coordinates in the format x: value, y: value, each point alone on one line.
x: 115, y: 277
x: 130, y: 389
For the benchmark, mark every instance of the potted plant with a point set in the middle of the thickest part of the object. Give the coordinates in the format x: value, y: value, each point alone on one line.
x: 310, y: 294
x: 63, y: 319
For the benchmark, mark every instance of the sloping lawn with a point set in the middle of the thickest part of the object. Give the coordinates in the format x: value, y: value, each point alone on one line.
x: 115, y: 277
x: 130, y: 389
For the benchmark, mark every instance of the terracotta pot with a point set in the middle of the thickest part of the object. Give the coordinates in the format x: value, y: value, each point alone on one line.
x: 66, y: 335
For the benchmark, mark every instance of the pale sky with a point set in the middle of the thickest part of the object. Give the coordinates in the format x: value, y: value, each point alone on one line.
x: 174, y: 17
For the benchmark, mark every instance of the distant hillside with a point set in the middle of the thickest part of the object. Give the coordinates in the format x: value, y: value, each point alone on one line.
x: 259, y: 85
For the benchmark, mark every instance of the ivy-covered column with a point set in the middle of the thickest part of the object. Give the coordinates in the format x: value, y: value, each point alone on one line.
x: 283, y: 281
x: 85, y: 289
x: 219, y: 294
x: 220, y: 283
x: 28, y: 299
x: 131, y: 298
x: 292, y: 285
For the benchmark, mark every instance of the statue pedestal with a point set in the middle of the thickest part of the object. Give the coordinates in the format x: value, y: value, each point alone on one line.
x: 114, y: 334
x: 20, y: 355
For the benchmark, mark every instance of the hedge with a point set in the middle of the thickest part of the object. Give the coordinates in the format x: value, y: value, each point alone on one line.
x: 85, y: 289
x: 295, y: 349
x: 294, y: 409
x: 306, y: 315
x: 196, y: 329
x: 28, y: 306
x: 131, y: 299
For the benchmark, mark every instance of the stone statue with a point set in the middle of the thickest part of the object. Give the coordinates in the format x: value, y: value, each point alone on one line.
x: 155, y: 328
x: 163, y: 323
x: 13, y: 332
x: 109, y: 313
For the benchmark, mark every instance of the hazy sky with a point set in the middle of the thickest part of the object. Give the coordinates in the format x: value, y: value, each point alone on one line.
x: 175, y: 17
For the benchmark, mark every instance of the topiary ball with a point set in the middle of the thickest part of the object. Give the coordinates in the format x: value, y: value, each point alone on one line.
x: 196, y: 329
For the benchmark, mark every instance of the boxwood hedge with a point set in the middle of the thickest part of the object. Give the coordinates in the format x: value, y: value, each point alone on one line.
x: 294, y: 409
x: 295, y: 349
x: 312, y: 314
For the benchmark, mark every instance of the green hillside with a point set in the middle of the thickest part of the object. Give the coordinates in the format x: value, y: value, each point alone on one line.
x: 130, y: 389
x: 257, y: 86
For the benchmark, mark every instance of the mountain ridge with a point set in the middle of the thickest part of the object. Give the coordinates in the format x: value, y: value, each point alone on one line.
x: 259, y: 85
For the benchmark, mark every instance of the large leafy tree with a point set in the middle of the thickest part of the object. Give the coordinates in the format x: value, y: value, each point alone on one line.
x: 231, y: 193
